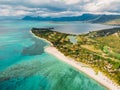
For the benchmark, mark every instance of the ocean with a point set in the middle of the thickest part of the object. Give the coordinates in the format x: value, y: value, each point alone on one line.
x: 25, y: 66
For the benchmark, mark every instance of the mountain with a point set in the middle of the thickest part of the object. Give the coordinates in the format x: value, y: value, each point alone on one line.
x: 92, y: 18
x: 106, y: 18
x: 84, y: 17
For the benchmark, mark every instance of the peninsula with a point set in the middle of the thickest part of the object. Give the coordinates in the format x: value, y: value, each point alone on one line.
x: 95, y: 53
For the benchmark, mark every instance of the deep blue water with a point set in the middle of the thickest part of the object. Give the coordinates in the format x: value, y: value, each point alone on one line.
x: 25, y: 66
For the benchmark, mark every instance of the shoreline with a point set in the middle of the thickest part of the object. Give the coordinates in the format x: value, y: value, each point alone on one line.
x: 100, y: 78
x: 41, y: 38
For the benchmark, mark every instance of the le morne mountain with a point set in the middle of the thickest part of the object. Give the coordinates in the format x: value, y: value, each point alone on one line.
x: 92, y: 18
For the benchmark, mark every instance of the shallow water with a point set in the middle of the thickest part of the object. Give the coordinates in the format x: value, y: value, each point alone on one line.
x: 25, y: 66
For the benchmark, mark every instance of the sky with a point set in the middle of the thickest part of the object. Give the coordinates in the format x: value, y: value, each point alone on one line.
x: 58, y: 8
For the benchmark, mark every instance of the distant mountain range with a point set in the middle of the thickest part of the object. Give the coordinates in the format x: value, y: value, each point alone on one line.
x: 93, y: 18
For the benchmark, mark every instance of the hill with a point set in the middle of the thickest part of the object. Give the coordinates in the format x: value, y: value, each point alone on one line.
x: 106, y: 18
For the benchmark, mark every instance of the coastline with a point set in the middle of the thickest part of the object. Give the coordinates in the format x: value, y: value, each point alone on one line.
x: 41, y: 38
x: 102, y: 79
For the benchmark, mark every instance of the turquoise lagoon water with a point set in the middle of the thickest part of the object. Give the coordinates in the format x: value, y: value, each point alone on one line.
x: 25, y: 66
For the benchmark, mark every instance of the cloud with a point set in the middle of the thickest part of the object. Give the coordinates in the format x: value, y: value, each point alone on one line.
x: 58, y: 7
x: 100, y: 6
x: 71, y: 1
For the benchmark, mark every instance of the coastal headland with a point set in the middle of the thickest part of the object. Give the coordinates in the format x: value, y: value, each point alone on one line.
x: 90, y: 54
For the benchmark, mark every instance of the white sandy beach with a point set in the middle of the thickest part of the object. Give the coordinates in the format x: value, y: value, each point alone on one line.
x: 87, y: 70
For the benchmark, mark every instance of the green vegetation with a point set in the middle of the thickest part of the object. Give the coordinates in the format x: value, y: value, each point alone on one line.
x: 99, y: 49
x: 111, y: 44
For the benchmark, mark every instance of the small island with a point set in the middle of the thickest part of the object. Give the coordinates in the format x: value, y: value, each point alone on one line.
x: 95, y: 53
